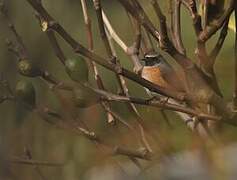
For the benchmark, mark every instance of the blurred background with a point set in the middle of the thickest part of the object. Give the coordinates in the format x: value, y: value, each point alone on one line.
x: 20, y: 128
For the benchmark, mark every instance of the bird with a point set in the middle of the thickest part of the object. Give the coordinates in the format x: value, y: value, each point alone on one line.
x: 158, y: 71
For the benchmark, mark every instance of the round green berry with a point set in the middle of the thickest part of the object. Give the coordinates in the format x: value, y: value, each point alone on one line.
x: 77, y: 69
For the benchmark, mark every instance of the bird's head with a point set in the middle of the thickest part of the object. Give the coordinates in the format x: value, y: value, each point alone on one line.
x: 151, y: 59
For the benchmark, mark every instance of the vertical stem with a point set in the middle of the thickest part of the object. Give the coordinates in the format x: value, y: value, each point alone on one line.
x: 100, y: 84
x: 177, y: 27
x: 235, y: 90
x: 205, y: 12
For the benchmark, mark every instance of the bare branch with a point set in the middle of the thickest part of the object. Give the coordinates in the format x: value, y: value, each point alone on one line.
x: 16, y: 160
x: 92, y: 136
x: 216, y: 50
x: 113, y: 34
x: 19, y: 49
x: 217, y: 24
x: 85, y: 52
x: 132, y: 51
x: 100, y: 84
x: 177, y: 28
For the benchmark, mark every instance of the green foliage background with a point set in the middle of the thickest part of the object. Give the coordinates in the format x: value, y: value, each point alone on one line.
x: 19, y: 128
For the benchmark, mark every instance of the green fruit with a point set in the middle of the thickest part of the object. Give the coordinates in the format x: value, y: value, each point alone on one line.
x: 25, y: 93
x: 84, y: 98
x: 77, y: 70
x: 26, y: 68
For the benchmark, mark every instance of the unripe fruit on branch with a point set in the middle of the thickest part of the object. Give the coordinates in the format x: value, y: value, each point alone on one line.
x: 25, y: 93
x: 27, y: 68
x: 77, y: 70
x: 85, y: 97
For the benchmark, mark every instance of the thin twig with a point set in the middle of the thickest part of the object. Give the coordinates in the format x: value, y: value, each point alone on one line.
x: 36, y: 167
x: 132, y: 51
x: 92, y: 136
x: 16, y: 160
x: 100, y: 84
x: 52, y: 24
x: 216, y: 50
x: 121, y: 80
x: 177, y: 27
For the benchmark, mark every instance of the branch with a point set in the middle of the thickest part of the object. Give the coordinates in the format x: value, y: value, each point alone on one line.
x: 192, y: 8
x: 197, y: 24
x: 97, y: 77
x: 115, y: 61
x: 78, y: 48
x: 216, y: 50
x: 212, y: 98
x: 36, y: 167
x: 54, y: 43
x: 132, y: 51
x: 177, y: 28
x: 113, y: 34
x: 100, y: 85
x: 97, y: 5
x: 16, y: 160
x: 92, y: 136
x: 216, y: 24
x: 20, y: 49
x: 138, y: 13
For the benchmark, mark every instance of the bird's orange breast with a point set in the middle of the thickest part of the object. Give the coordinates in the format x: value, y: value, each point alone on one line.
x: 154, y: 75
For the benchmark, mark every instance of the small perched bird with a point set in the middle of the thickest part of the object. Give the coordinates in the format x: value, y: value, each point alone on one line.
x: 158, y: 71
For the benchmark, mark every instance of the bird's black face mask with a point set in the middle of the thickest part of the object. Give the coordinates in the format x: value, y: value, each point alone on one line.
x: 151, y: 59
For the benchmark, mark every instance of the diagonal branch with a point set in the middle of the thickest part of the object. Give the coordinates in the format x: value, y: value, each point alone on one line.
x: 93, y: 137
x: 212, y: 28
x: 132, y: 51
x: 120, y: 78
x: 219, y: 44
x: 78, y: 48
x: 138, y: 13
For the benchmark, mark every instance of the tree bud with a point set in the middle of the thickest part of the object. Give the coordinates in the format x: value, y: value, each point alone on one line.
x: 26, y: 68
